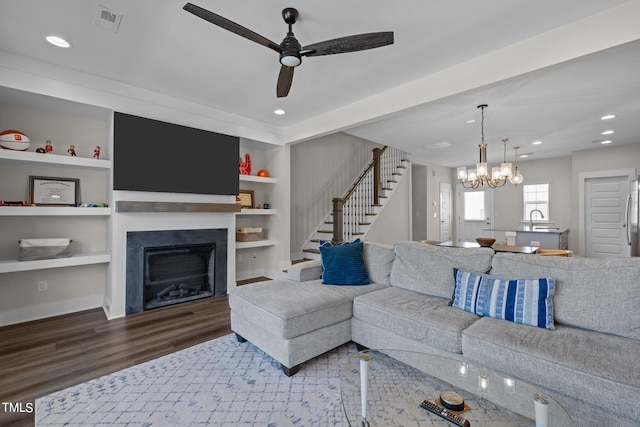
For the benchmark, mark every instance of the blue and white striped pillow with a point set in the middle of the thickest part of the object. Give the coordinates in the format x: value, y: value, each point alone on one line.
x: 526, y: 301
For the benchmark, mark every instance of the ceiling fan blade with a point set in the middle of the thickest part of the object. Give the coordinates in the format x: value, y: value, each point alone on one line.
x: 285, y: 78
x: 349, y: 44
x: 231, y: 26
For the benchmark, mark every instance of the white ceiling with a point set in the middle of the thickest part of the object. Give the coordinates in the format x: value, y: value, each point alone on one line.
x: 162, y: 48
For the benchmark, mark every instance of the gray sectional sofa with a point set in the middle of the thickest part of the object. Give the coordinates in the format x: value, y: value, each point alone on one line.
x: 589, y: 361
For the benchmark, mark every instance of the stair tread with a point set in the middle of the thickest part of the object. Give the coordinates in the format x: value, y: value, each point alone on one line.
x: 312, y: 251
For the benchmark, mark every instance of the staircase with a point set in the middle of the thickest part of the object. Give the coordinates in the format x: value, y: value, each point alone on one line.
x: 354, y: 213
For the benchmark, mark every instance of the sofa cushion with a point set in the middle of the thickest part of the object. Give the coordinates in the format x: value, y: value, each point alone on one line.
x: 591, y: 293
x: 414, y: 315
x: 378, y: 259
x: 600, y: 369
x: 288, y: 309
x: 343, y: 263
x: 526, y: 301
x: 429, y: 269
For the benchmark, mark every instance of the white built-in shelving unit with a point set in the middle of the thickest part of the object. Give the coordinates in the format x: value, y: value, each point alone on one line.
x: 65, y: 123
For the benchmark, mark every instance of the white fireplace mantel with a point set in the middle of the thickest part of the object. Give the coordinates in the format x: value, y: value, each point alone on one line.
x: 124, y: 222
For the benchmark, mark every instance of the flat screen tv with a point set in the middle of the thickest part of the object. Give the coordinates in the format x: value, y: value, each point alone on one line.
x: 151, y: 155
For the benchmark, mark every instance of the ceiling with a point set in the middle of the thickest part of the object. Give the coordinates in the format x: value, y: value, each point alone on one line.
x: 162, y: 48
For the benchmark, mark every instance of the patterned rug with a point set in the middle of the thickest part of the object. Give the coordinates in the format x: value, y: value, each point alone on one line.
x: 218, y: 383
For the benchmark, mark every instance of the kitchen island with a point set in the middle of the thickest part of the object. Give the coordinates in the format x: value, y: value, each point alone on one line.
x: 540, y: 236
x: 545, y: 238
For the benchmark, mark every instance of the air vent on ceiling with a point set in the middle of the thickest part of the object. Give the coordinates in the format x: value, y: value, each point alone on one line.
x: 107, y: 19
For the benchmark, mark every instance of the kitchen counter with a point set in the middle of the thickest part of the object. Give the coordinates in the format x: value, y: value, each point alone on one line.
x: 496, y: 247
x: 546, y: 238
x: 536, y: 229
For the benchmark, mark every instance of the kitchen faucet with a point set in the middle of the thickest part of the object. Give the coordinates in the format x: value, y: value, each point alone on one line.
x: 531, y: 217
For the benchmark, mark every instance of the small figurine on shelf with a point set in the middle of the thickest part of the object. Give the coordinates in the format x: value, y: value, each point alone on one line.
x: 245, y: 166
x: 48, y: 147
x: 96, y: 152
x: 72, y: 150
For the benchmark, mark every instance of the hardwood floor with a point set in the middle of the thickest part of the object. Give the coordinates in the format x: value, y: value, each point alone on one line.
x: 43, y: 356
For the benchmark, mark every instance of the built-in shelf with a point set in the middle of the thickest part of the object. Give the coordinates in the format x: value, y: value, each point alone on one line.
x: 258, y: 212
x: 12, y: 265
x: 256, y: 244
x: 54, y: 159
x: 252, y: 178
x: 52, y: 211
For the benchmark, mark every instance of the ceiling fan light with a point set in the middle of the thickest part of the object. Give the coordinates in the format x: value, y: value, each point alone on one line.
x: 290, y: 60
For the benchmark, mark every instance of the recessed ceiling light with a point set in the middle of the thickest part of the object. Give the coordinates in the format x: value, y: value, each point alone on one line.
x: 537, y: 142
x: 524, y: 156
x: 279, y: 112
x: 58, y: 41
x: 606, y: 141
x: 471, y: 121
x: 607, y: 132
x: 608, y: 117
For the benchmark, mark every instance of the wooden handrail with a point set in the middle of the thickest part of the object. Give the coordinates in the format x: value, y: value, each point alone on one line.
x: 338, y: 203
x: 371, y: 164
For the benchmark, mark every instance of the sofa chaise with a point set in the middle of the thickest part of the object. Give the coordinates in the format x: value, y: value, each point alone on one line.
x: 584, y: 350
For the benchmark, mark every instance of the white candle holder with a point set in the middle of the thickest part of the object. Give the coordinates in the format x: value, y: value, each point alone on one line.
x: 364, y: 385
x: 541, y: 408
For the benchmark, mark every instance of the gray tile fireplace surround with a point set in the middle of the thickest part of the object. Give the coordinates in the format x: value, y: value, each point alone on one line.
x: 137, y: 241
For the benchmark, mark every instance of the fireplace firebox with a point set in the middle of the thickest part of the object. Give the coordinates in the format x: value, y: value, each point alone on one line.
x: 177, y: 274
x: 172, y: 266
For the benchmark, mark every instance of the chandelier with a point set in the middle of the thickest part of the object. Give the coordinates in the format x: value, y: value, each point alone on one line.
x: 499, y: 176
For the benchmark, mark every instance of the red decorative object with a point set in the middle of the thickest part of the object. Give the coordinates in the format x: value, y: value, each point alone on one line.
x: 263, y: 173
x: 245, y: 166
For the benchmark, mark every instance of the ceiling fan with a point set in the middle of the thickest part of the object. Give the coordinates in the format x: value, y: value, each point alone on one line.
x: 290, y: 50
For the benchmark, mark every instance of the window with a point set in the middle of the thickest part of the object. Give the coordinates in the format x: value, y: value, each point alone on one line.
x: 536, y: 196
x: 474, y: 206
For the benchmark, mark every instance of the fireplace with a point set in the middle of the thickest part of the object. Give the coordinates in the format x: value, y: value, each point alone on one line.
x: 174, y: 274
x: 173, y: 266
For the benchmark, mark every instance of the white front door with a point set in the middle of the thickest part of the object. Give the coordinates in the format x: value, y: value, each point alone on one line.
x: 605, y: 203
x: 445, y: 211
x: 474, y: 212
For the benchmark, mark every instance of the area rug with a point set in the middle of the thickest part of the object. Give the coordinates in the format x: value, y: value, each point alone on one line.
x: 218, y: 383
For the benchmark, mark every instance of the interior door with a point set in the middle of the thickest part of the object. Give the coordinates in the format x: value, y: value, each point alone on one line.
x: 605, y: 206
x: 474, y: 212
x: 445, y: 211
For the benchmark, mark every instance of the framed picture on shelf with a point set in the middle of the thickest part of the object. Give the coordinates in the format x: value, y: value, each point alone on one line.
x: 51, y: 191
x: 246, y: 199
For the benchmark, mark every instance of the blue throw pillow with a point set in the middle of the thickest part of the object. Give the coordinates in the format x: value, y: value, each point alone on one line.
x: 343, y: 263
x: 526, y: 301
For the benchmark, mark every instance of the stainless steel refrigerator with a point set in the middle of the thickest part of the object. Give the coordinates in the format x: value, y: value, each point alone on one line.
x: 633, y: 212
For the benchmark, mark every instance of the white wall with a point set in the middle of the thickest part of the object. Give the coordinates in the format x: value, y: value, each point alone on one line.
x: 394, y: 222
x: 508, y: 206
x: 426, y: 192
x: 322, y: 169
